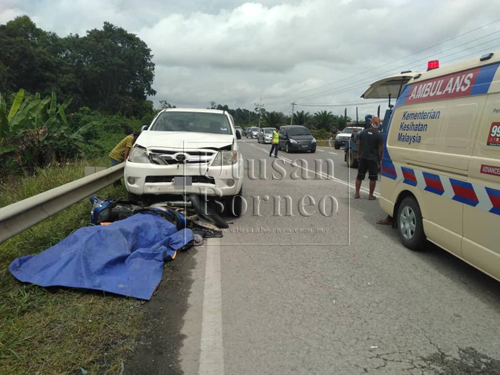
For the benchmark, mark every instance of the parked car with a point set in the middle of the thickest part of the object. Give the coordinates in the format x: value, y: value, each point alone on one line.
x: 265, y: 135
x: 253, y: 133
x: 351, y: 146
x: 186, y: 151
x: 296, y: 138
x: 345, y: 136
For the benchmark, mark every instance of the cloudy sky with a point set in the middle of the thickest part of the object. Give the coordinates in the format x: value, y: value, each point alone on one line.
x: 313, y: 52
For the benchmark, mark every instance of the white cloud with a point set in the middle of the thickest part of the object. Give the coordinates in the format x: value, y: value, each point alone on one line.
x: 235, y: 52
x: 9, y: 14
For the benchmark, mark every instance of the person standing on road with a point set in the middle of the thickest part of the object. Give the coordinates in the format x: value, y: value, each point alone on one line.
x: 370, y: 148
x: 120, y: 153
x: 275, y: 142
x: 330, y: 139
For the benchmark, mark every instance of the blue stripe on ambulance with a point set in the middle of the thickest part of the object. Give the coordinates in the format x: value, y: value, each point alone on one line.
x: 484, y: 78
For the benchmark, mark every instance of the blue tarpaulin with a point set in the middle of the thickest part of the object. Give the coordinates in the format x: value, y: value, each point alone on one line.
x: 125, y: 257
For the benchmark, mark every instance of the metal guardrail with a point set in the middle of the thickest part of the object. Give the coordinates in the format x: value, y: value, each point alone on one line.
x: 24, y: 214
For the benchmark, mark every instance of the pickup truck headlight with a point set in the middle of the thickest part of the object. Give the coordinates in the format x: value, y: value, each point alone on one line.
x: 314, y: 140
x: 225, y: 158
x: 293, y: 141
x: 139, y: 155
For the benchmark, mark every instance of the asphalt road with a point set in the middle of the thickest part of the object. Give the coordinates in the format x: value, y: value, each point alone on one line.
x: 323, y: 290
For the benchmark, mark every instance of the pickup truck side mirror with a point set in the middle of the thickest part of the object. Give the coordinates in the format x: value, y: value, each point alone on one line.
x: 144, y: 127
x: 238, y: 134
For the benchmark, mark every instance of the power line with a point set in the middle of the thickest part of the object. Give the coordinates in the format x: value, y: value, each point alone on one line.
x: 259, y: 105
x: 413, y: 62
x: 293, y: 108
x: 392, y: 62
x: 371, y: 102
x: 364, y: 81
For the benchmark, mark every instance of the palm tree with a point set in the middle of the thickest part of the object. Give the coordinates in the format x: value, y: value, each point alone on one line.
x: 301, y: 118
x: 323, y: 120
x: 273, y: 119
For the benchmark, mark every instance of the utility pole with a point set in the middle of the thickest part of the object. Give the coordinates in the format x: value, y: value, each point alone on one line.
x: 259, y: 106
x: 293, y: 109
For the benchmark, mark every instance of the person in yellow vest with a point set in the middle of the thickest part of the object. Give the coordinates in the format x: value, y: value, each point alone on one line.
x: 275, y: 142
x: 120, y: 153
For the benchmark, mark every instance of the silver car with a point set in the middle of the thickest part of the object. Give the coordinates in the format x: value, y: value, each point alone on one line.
x: 266, y: 135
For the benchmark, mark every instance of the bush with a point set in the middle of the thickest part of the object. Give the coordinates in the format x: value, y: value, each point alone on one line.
x: 101, y: 133
x: 320, y: 134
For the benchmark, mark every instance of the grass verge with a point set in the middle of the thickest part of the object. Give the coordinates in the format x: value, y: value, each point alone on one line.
x: 322, y: 143
x: 57, y: 330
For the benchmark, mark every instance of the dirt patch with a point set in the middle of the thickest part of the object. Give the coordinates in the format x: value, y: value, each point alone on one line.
x: 159, y: 345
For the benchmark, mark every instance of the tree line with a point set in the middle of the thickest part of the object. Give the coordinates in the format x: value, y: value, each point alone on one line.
x: 321, y: 121
x: 102, y: 80
x: 108, y: 69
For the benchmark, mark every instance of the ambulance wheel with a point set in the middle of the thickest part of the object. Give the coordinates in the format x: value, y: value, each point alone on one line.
x: 234, y: 205
x: 409, y: 224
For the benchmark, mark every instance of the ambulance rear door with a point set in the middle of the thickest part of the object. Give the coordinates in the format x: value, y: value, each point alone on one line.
x: 481, y: 221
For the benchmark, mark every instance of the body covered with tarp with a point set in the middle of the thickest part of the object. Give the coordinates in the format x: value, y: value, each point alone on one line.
x: 125, y: 257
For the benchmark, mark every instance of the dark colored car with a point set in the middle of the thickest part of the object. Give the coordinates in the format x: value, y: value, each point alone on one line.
x: 240, y: 130
x: 351, y: 147
x: 296, y: 138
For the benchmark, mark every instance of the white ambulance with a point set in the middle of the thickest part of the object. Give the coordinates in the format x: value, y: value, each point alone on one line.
x: 441, y: 166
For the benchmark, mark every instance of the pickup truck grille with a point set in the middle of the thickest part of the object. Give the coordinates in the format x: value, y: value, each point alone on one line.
x: 168, y: 157
x: 195, y: 179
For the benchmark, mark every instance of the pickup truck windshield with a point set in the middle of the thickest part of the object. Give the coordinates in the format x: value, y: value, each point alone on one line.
x: 194, y: 122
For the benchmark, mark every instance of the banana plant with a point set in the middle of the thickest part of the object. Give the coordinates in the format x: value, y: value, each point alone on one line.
x: 30, y: 123
x: 6, y: 120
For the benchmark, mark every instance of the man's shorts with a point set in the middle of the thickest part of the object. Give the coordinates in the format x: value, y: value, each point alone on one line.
x: 370, y: 166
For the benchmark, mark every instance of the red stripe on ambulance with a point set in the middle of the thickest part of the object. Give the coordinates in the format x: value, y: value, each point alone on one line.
x: 451, y: 86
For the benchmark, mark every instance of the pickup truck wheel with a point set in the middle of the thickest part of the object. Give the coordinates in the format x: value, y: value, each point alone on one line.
x: 409, y: 224
x: 234, y: 205
x: 336, y: 146
x: 352, y: 161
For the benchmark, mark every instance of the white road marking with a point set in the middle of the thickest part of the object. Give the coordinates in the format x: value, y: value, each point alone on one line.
x: 212, y: 350
x: 333, y: 153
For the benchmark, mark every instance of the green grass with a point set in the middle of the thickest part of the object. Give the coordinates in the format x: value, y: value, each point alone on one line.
x: 322, y: 143
x: 58, y: 331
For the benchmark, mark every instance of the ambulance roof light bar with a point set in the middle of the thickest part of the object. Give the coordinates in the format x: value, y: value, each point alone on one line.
x: 433, y: 64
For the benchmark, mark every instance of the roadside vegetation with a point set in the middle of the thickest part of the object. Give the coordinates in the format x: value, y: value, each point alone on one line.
x: 59, y: 330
